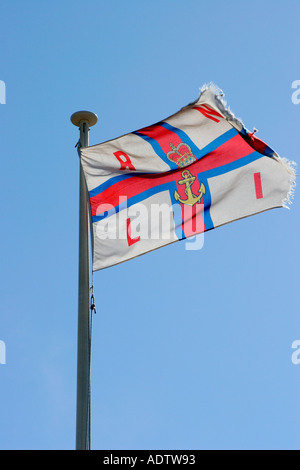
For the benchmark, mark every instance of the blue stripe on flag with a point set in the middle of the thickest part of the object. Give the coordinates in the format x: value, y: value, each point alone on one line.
x: 203, y: 177
x: 208, y: 223
x: 231, y: 166
x: 108, y: 183
x: 177, y: 213
x: 200, y: 153
x: 131, y: 201
x: 157, y: 149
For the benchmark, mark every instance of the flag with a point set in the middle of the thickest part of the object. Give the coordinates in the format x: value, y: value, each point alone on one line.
x: 196, y: 170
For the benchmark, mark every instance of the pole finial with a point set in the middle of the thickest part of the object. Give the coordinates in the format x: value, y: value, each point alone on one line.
x: 84, y: 116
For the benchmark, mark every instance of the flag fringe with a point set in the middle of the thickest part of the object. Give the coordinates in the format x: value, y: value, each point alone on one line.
x: 212, y: 93
x: 291, y: 167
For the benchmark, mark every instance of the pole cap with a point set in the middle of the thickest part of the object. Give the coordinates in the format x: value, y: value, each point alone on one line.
x: 80, y: 116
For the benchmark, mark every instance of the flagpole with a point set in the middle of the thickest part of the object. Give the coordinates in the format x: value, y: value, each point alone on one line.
x: 83, y: 120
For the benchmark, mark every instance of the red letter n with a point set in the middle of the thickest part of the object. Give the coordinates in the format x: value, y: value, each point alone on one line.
x: 124, y: 160
x: 208, y: 112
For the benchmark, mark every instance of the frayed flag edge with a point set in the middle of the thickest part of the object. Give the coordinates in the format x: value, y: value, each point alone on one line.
x: 216, y: 95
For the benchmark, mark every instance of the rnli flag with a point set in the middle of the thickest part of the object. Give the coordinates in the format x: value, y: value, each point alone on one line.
x: 196, y: 170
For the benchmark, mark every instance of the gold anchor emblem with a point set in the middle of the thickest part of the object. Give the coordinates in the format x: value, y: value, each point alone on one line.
x: 188, y: 180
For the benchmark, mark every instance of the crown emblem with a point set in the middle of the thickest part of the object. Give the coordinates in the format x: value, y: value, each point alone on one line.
x: 182, y: 155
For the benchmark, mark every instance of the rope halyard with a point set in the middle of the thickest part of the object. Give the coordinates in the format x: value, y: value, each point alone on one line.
x: 92, y: 303
x: 92, y: 310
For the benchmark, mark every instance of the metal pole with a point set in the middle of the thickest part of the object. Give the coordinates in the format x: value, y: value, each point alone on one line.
x: 83, y: 119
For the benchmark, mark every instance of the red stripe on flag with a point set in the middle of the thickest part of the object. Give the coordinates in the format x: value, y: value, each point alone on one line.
x: 192, y: 219
x: 259, y: 145
x: 230, y: 151
x: 258, y: 186
x: 163, y: 136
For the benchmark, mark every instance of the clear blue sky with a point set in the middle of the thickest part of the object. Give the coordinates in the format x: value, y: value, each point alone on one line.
x: 191, y: 350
